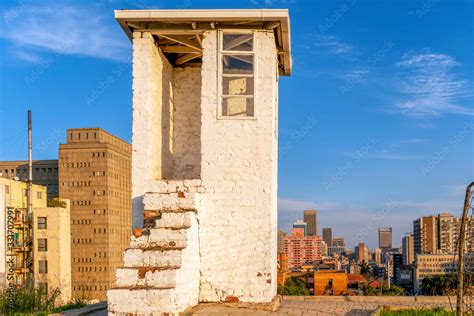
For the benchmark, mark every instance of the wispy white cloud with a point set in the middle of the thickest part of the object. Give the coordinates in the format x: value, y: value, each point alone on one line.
x: 431, y: 86
x: 64, y: 29
x: 333, y: 45
x: 394, y: 150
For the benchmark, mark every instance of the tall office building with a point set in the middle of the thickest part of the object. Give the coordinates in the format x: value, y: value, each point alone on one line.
x: 299, y: 228
x: 94, y: 173
x: 397, y: 263
x: 378, y: 256
x: 338, y: 242
x: 45, y: 173
x: 425, y: 235
x: 385, y: 238
x: 281, y: 242
x: 361, y: 253
x: 311, y: 218
x: 408, y: 250
x: 302, y: 250
x: 448, y: 231
x: 327, y: 236
x: 338, y: 246
x: 438, y: 234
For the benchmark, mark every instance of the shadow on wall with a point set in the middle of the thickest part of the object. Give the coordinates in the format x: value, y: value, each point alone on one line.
x: 181, y: 123
x: 137, y: 217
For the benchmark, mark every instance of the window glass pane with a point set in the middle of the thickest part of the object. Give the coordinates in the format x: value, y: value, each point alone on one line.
x: 43, y: 266
x: 237, y: 64
x: 237, y: 106
x: 42, y: 223
x: 42, y: 244
x: 238, y: 42
x: 237, y: 85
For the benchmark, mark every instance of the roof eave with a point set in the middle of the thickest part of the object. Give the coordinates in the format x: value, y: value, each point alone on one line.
x: 267, y: 15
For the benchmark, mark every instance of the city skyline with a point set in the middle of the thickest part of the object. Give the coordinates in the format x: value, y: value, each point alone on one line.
x: 359, y: 82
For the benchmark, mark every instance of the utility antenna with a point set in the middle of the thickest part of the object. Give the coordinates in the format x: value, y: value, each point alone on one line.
x: 462, y: 238
x: 29, y: 263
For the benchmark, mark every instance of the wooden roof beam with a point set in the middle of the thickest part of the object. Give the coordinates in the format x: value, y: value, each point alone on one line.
x: 184, y: 40
x: 187, y: 57
x: 178, y: 49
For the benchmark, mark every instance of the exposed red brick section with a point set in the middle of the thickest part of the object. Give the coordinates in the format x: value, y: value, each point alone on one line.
x: 151, y: 214
x: 232, y: 299
x: 142, y: 271
x: 259, y: 274
x: 269, y: 281
x: 137, y: 232
x: 180, y: 194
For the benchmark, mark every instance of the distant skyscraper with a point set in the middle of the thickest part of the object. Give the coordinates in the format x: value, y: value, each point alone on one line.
x: 362, y: 253
x: 385, y: 238
x: 397, y: 264
x: 310, y: 218
x: 425, y: 235
x: 281, y: 242
x: 327, y: 236
x: 299, y: 228
x: 338, y: 242
x: 408, y: 249
x: 378, y: 256
x: 338, y: 247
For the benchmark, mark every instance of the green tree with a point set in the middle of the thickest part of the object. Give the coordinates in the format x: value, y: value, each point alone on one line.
x: 439, y: 284
x: 365, y: 268
x: 382, y: 290
x: 56, y: 203
x: 293, y: 286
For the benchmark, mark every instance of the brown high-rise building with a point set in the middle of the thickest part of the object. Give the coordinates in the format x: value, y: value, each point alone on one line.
x: 438, y: 234
x: 327, y: 236
x: 408, y: 249
x: 310, y: 218
x: 385, y: 238
x: 94, y: 173
x: 425, y: 235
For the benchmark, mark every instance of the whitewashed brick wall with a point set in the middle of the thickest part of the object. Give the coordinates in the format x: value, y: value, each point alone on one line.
x: 230, y: 250
x: 239, y: 171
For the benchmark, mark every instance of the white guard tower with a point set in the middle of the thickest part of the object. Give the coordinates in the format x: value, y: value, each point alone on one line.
x: 204, y: 162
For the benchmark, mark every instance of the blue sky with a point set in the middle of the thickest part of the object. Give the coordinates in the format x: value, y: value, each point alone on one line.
x: 376, y: 122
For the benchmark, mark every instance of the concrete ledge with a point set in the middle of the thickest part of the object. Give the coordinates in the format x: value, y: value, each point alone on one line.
x: 86, y: 310
x: 269, y: 307
x: 375, y: 299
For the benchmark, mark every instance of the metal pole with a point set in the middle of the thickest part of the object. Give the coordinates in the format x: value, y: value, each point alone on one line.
x: 30, y: 196
x: 461, y: 242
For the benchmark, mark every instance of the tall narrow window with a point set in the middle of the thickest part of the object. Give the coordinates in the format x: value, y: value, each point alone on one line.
x: 43, y: 266
x: 42, y: 223
x: 42, y: 244
x: 237, y: 78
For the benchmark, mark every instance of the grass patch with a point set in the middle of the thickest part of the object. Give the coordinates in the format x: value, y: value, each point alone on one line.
x: 37, y: 301
x: 437, y: 311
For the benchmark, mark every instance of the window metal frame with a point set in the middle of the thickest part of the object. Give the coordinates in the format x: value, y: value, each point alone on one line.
x: 220, y: 72
x: 45, y: 222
